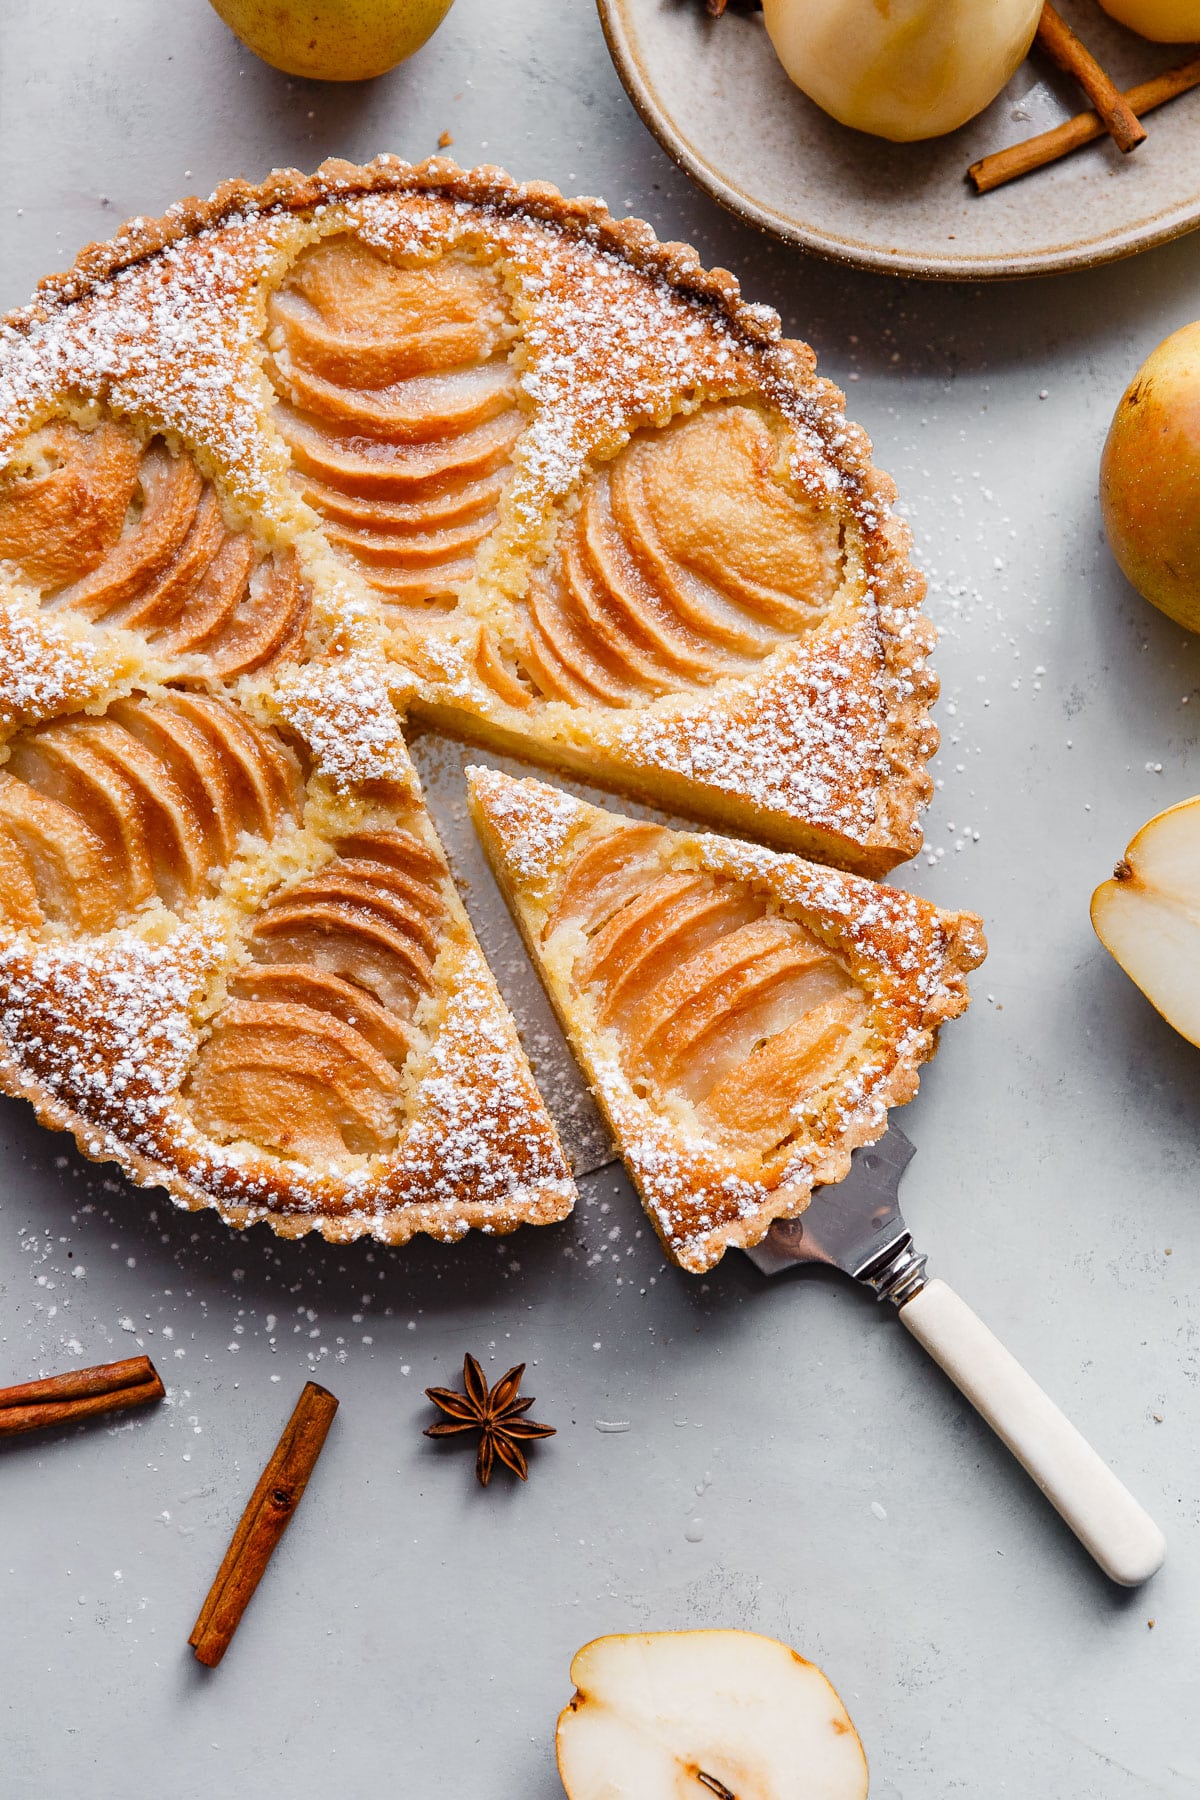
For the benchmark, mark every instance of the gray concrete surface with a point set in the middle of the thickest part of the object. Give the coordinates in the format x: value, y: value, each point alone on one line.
x: 790, y: 1463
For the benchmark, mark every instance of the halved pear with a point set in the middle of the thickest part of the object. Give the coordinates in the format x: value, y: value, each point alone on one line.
x: 669, y: 1715
x: 1148, y: 915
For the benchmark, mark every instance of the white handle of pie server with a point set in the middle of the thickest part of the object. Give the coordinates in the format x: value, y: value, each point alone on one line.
x: 1102, y: 1513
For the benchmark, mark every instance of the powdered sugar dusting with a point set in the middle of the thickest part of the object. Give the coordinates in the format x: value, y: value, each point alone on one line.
x: 606, y: 351
x: 344, y: 713
x: 532, y: 820
x: 108, y: 1031
x: 807, y: 744
x: 172, y: 339
x: 49, y: 667
x: 477, y: 1093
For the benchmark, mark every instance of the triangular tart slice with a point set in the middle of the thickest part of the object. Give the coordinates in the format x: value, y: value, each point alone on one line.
x: 745, y: 1018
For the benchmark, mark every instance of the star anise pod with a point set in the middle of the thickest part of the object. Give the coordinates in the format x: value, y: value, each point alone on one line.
x: 495, y: 1413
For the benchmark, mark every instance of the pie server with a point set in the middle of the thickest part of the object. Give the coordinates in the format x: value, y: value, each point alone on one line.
x: 856, y: 1226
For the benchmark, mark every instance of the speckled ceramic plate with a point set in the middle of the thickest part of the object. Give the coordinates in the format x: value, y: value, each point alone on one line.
x: 714, y: 94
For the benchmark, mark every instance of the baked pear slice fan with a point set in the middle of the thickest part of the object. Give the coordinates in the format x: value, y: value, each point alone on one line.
x: 745, y: 1018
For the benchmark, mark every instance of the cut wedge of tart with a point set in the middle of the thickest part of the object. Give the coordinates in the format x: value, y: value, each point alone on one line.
x: 745, y: 1018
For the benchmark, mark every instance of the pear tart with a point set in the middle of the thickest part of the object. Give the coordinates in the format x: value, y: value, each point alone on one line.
x: 746, y: 1018
x: 286, y: 465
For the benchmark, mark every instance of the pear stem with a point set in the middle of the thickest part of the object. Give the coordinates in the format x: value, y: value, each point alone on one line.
x: 714, y: 1786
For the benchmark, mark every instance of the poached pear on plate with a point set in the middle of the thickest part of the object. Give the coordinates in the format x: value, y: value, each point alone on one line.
x: 910, y: 69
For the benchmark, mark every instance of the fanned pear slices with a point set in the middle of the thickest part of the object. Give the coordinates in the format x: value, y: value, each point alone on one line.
x: 128, y: 534
x: 99, y: 816
x: 745, y: 1018
x: 689, y: 561
x: 307, y: 1056
x: 398, y: 405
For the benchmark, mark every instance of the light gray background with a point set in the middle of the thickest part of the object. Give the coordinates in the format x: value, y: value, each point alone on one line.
x: 413, y: 1635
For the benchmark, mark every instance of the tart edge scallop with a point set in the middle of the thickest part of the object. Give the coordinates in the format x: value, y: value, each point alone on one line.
x: 544, y: 1203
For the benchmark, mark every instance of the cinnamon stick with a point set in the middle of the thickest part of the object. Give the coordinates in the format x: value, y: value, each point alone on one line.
x: 1056, y: 38
x: 1038, y: 152
x: 263, y: 1523
x: 62, y: 1399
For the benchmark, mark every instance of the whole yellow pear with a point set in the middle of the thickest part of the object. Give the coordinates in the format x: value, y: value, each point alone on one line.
x: 901, y: 69
x: 1150, y: 479
x: 1167, y: 21
x: 333, y: 40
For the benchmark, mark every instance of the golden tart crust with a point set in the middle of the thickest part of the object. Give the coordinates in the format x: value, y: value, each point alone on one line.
x: 287, y: 464
x: 745, y: 1018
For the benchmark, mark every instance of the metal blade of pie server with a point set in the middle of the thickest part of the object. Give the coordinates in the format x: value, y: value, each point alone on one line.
x: 850, y: 1225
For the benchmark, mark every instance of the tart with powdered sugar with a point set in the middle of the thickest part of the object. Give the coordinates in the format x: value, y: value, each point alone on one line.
x: 289, y: 464
x: 745, y: 1018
